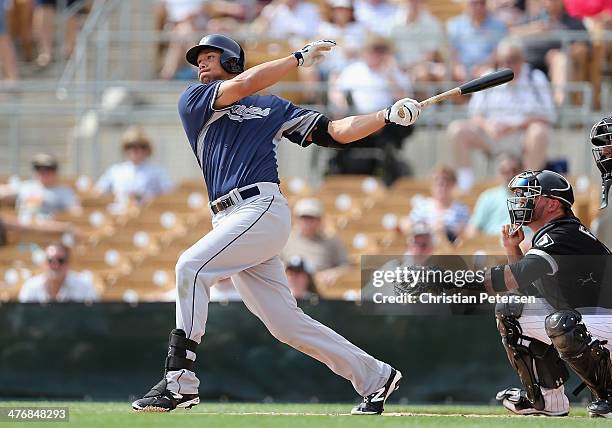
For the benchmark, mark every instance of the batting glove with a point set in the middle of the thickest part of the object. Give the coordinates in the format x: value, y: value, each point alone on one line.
x: 404, y: 112
x: 313, y: 53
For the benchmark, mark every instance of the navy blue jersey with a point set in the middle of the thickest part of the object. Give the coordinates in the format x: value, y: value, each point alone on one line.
x: 236, y: 146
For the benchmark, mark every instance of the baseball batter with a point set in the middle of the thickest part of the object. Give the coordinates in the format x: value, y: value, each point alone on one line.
x: 234, y: 135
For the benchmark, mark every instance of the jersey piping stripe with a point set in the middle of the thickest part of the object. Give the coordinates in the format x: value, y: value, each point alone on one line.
x: 215, y: 96
x: 219, y: 252
x: 202, y: 135
x: 547, y: 257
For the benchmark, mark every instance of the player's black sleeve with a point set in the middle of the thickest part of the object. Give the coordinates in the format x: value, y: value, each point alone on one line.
x: 523, y: 273
x: 320, y: 135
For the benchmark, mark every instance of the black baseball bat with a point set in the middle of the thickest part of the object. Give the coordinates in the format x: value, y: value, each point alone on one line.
x: 487, y: 81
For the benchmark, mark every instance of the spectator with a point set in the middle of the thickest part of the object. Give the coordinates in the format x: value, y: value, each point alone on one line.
x: 491, y: 212
x: 58, y: 283
x: 43, y: 197
x: 7, y: 53
x: 282, y: 19
x: 19, y: 16
x: 45, y: 15
x: 325, y: 255
x: 373, y: 14
x: 420, y: 245
x: 299, y: 279
x: 418, y: 37
x: 473, y: 37
x: 374, y: 82
x: 350, y: 36
x: 346, y: 31
x: 515, y: 118
x: 184, y: 17
x: 510, y: 12
x: 135, y: 179
x: 543, y: 50
x: 441, y: 212
x: 581, y: 8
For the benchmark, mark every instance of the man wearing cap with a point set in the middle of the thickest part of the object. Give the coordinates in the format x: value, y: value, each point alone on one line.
x: 234, y: 135
x: 326, y: 256
x: 58, y: 283
x: 137, y: 178
x: 41, y: 198
x: 490, y: 212
x: 372, y: 81
x: 299, y: 279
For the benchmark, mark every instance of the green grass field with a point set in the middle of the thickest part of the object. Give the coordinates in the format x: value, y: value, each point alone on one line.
x: 119, y: 415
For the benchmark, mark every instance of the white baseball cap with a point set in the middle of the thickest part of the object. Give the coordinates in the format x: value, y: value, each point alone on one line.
x: 340, y: 3
x: 310, y: 207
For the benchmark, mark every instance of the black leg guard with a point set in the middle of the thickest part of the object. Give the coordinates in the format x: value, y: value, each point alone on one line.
x: 537, y: 364
x: 589, y: 359
x: 177, y: 351
x: 159, y: 398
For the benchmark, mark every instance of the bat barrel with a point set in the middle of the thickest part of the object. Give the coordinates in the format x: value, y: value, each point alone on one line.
x: 487, y: 81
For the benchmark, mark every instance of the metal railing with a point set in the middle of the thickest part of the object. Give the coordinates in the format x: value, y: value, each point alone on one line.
x: 104, y: 56
x: 153, y: 104
x: 76, y: 69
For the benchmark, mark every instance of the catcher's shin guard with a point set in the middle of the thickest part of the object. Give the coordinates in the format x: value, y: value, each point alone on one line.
x: 588, y: 358
x: 537, y: 364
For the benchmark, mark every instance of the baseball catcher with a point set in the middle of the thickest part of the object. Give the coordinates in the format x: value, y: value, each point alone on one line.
x: 570, y: 323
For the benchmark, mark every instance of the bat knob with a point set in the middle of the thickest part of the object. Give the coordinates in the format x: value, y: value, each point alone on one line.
x: 401, y: 113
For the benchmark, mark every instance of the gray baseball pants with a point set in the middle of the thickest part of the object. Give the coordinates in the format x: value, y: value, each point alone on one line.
x: 244, y: 244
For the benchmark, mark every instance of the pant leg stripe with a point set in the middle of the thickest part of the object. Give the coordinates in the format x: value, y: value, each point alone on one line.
x: 178, y: 381
x: 219, y: 252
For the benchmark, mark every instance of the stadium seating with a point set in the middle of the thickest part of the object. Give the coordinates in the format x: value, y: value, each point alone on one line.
x: 132, y: 255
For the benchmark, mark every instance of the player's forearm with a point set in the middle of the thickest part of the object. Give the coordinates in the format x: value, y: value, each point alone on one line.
x: 514, y: 254
x: 354, y: 128
x: 265, y: 75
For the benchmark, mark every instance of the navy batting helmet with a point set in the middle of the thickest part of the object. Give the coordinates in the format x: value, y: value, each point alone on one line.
x: 232, y: 55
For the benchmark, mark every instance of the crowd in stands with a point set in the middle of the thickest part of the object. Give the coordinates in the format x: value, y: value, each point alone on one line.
x: 424, y: 46
x: 418, y: 219
x: 28, y: 31
x: 386, y: 50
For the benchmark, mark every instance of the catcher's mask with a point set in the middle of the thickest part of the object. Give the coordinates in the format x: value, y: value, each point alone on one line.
x: 601, y: 139
x: 527, y: 187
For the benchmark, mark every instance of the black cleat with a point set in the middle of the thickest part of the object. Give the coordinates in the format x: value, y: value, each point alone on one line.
x: 600, y: 409
x: 374, y: 404
x: 160, y: 399
x: 515, y: 400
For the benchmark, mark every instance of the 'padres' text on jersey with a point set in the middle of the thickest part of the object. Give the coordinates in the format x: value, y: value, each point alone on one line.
x: 236, y: 146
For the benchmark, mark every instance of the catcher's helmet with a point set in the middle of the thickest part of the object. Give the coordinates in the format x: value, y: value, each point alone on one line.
x: 232, y: 55
x: 601, y: 139
x: 529, y: 185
